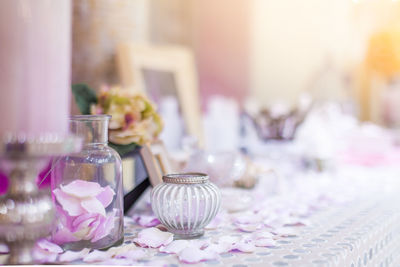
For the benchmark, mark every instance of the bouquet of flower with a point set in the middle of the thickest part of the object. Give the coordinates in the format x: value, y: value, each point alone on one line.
x: 134, y: 120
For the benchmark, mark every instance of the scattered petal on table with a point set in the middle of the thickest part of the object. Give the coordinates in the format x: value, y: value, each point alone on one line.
x: 262, y: 234
x: 248, y: 227
x: 146, y: 220
x: 82, y: 189
x: 284, y: 231
x: 45, y: 251
x: 118, y: 262
x: 49, y: 246
x: 243, y: 246
x: 96, y: 256
x: 70, y: 256
x: 265, y: 242
x: 134, y: 254
x: 194, y: 255
x: 175, y: 247
x: 153, y: 237
x: 249, y: 218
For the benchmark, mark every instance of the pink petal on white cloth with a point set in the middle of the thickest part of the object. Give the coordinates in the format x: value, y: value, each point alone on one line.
x: 70, y: 204
x: 49, y: 246
x: 45, y: 251
x: 105, y: 227
x: 248, y: 227
x: 296, y: 222
x: 194, y: 255
x: 262, y: 234
x: 284, y: 231
x: 82, y: 189
x: 106, y: 196
x: 93, y: 205
x: 174, y: 247
x: 135, y: 254
x: 118, y: 262
x: 219, y: 247
x: 265, y: 242
x: 70, y: 256
x: 243, y: 246
x: 249, y: 218
x: 153, y: 237
x: 96, y: 256
x: 146, y: 220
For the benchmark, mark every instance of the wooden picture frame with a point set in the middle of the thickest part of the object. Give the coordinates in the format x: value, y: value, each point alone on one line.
x: 134, y: 58
x: 143, y: 167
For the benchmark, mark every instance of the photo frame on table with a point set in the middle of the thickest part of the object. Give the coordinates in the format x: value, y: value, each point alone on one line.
x: 135, y: 59
x: 143, y: 167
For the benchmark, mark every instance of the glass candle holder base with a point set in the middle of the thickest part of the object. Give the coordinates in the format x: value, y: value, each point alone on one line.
x: 184, y: 234
x: 104, y: 245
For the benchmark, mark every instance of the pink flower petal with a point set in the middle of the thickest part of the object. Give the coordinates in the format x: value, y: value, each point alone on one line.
x: 248, y: 219
x: 63, y: 235
x: 146, y: 220
x: 48, y: 246
x: 96, y: 256
x: 262, y: 234
x: 93, y: 205
x: 265, y: 242
x: 153, y: 237
x: 284, y: 231
x: 69, y: 255
x: 118, y: 262
x: 83, y: 221
x: 106, y: 196
x: 244, y: 246
x: 249, y: 227
x: 70, y: 204
x: 174, y: 247
x: 105, y: 227
x: 82, y: 189
x: 135, y: 254
x: 219, y: 248
x: 45, y: 251
x: 194, y: 255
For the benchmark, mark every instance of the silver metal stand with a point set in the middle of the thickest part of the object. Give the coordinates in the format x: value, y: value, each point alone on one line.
x: 26, y: 214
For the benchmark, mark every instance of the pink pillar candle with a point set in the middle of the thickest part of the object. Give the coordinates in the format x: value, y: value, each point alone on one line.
x: 34, y: 66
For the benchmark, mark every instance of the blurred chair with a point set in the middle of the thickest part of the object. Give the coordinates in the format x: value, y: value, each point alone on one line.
x: 134, y: 58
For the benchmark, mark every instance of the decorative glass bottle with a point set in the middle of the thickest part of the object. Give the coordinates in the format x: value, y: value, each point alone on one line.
x: 87, y: 189
x: 185, y: 203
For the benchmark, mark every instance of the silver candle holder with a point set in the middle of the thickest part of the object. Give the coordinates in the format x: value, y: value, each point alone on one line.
x: 27, y: 214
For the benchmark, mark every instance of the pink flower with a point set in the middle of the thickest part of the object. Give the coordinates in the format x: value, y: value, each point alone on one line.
x: 82, y: 212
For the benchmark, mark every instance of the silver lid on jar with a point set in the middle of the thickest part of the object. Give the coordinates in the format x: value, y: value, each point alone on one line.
x: 186, y: 178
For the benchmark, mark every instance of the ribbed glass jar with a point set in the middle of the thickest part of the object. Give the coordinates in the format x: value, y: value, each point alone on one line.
x: 185, y: 203
x: 87, y: 189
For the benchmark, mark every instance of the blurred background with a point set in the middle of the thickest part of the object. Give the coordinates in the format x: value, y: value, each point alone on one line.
x: 248, y: 55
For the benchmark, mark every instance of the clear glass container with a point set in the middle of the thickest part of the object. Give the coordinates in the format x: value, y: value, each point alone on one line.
x: 185, y: 203
x: 87, y: 189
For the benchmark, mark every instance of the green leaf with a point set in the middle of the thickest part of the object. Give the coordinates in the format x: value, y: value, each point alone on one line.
x: 84, y: 97
x: 123, y: 149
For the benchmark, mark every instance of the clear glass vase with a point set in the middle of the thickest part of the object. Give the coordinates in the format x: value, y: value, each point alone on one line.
x: 87, y: 189
x: 185, y: 203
